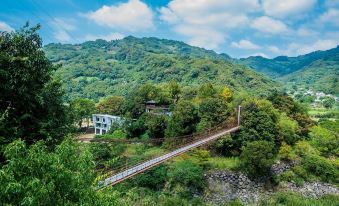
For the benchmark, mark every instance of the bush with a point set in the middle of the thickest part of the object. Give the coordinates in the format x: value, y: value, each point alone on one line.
x: 286, y: 153
x: 294, y: 199
x: 303, y: 148
x: 257, y: 157
x: 287, y: 129
x: 187, y: 174
x: 321, y: 167
x: 325, y: 141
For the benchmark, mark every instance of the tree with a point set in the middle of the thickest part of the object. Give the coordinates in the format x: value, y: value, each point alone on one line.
x: 187, y: 174
x: 32, y: 99
x: 226, y: 94
x: 257, y: 157
x: 206, y: 90
x: 111, y: 105
x: 35, y: 176
x: 174, y: 90
x: 328, y: 102
x: 156, y: 125
x: 212, y: 111
x: 288, y: 129
x: 258, y: 122
x: 326, y: 141
x: 82, y: 109
x: 183, y: 120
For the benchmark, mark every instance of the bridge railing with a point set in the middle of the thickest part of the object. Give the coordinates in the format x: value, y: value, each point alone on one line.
x: 174, y: 142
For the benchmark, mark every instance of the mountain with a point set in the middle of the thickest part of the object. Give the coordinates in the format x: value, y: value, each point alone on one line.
x: 317, y: 70
x: 98, y: 68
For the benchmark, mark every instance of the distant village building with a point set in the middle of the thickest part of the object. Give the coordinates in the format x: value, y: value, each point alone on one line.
x: 103, y: 122
x: 152, y: 107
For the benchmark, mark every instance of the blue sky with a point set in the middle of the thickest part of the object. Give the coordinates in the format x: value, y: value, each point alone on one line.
x: 239, y: 28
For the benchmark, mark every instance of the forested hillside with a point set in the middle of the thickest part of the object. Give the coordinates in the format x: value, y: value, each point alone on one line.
x: 318, y: 70
x: 99, y: 68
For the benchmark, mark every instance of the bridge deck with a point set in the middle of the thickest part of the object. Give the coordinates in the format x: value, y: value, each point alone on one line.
x: 153, y: 162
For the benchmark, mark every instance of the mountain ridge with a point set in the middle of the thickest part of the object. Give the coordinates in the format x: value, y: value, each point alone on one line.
x: 98, y: 68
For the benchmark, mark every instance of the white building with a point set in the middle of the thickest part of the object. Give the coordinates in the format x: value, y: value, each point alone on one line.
x: 103, y: 122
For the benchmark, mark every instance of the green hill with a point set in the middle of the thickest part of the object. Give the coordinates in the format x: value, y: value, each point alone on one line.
x: 98, y: 68
x: 317, y: 70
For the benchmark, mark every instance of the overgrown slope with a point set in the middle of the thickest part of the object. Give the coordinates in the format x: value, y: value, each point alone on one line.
x: 98, y: 68
x: 317, y: 70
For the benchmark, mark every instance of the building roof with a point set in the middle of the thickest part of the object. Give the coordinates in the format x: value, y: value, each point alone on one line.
x: 106, y: 115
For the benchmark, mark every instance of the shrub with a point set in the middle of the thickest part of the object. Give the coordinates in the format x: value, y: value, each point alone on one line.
x: 187, y: 174
x: 287, y: 129
x: 257, y: 157
x: 285, y: 152
x: 291, y: 199
x: 325, y: 141
x: 303, y: 148
x: 321, y: 167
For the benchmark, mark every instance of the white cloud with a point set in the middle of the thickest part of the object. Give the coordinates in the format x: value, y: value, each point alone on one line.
x: 331, y: 16
x: 62, y: 36
x: 287, y: 8
x: 5, y: 27
x: 245, y: 44
x: 295, y: 49
x: 133, y: 15
x: 111, y: 36
x: 269, y: 25
x: 322, y: 44
x: 205, y: 23
x: 209, y: 39
x: 62, y: 27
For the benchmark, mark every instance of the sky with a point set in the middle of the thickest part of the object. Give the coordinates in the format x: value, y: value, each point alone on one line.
x: 239, y: 28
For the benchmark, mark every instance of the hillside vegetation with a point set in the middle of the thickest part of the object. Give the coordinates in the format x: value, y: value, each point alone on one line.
x: 99, y: 68
x: 318, y: 70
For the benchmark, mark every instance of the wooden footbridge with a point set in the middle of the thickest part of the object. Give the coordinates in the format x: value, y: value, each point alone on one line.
x: 197, y: 140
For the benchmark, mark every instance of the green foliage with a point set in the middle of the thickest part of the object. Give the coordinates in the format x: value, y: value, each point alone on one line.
x: 258, y: 122
x: 187, y: 174
x: 321, y: 167
x: 285, y: 152
x: 108, y: 155
x: 82, y: 109
x: 224, y: 163
x: 330, y: 125
x: 34, y: 176
x: 31, y: 99
x: 326, y: 141
x: 183, y: 120
x: 155, y: 125
x: 288, y: 129
x: 293, y: 110
x: 212, y: 111
x: 112, y: 105
x: 317, y: 70
x: 153, y: 179
x: 257, y: 157
x: 328, y: 102
x: 293, y: 199
x: 99, y: 68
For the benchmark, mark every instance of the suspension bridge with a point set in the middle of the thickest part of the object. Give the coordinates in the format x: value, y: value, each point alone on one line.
x: 197, y: 140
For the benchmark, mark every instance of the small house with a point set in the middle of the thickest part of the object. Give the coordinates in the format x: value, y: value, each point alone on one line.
x: 152, y: 107
x: 103, y: 122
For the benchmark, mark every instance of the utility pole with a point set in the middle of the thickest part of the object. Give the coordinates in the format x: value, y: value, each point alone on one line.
x: 239, y: 109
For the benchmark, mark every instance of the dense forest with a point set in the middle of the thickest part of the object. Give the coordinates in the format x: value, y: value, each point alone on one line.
x: 98, y: 68
x: 43, y: 105
x: 318, y: 70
